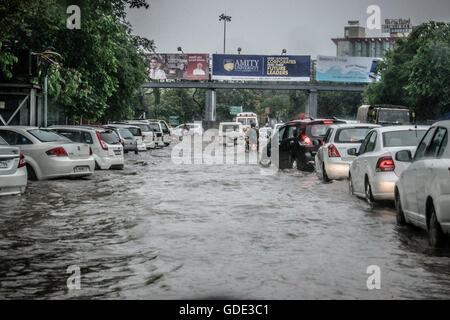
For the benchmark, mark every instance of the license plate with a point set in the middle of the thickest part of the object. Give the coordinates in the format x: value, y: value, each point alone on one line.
x: 117, y: 152
x: 81, y: 169
x: 4, y: 164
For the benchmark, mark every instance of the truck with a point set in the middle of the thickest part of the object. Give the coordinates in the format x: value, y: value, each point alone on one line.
x: 385, y: 114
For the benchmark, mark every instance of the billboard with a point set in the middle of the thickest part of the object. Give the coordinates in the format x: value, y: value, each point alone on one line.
x: 346, y: 69
x: 175, y: 66
x: 260, y: 68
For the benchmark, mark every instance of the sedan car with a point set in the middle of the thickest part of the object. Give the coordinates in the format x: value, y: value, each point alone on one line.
x: 49, y: 155
x: 13, y: 170
x: 332, y: 160
x: 105, y: 144
x: 375, y: 170
x: 422, y: 192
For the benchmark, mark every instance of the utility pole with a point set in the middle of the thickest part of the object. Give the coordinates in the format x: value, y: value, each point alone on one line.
x: 225, y: 19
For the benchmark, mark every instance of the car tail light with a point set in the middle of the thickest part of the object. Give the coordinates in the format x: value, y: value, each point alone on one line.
x: 306, y: 140
x: 100, y: 139
x: 328, y: 122
x: 22, y: 162
x: 333, y: 151
x: 385, y: 164
x: 57, y: 152
x: 90, y: 151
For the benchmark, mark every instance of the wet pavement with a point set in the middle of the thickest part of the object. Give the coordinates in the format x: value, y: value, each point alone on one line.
x: 158, y: 230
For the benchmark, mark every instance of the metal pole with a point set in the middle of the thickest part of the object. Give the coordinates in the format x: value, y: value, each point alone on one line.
x: 45, y: 101
x: 224, y: 32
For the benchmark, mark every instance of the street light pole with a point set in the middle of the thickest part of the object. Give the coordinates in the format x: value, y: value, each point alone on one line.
x: 225, y: 19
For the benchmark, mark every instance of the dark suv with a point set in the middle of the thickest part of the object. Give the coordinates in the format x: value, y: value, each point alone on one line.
x: 299, y: 140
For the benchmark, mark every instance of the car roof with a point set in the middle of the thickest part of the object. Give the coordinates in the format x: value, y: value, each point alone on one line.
x: 402, y: 128
x: 119, y: 125
x: 356, y: 125
x: 442, y: 123
x: 313, y: 121
x: 78, y: 127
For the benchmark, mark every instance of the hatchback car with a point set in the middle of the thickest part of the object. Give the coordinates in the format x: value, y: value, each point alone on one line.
x: 135, y: 131
x: 105, y: 144
x: 298, y: 142
x: 13, y: 171
x: 375, y: 170
x: 49, y: 155
x: 148, y: 135
x: 126, y: 138
x: 332, y: 160
x: 422, y: 192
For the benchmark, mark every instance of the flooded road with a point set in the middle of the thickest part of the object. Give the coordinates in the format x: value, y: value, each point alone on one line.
x: 167, y: 231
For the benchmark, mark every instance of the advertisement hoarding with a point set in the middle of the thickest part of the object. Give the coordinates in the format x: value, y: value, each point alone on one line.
x: 260, y: 68
x: 175, y: 66
x: 346, y: 69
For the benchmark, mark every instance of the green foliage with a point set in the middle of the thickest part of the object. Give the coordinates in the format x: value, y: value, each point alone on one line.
x: 7, y: 59
x: 101, y: 67
x: 338, y: 104
x: 415, y: 73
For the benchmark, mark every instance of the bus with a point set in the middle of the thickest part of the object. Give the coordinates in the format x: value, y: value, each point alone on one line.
x: 247, y: 118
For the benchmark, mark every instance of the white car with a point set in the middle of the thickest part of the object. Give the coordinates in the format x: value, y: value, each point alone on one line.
x: 188, y: 129
x: 148, y: 136
x: 135, y: 131
x: 166, y: 134
x: 105, y: 145
x: 49, y: 155
x: 332, y: 162
x: 374, y: 171
x: 231, y: 133
x: 13, y: 170
x: 422, y: 192
x: 156, y: 127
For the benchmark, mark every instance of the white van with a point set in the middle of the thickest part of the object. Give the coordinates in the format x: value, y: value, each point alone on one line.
x: 247, y: 118
x: 231, y: 132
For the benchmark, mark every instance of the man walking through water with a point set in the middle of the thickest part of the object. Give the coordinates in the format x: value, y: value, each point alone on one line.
x: 252, y: 137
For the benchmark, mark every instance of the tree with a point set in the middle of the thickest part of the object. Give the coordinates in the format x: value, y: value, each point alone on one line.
x: 415, y: 73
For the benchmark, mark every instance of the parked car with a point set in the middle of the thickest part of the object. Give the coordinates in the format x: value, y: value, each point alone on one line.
x: 13, y: 170
x: 156, y: 127
x: 332, y: 160
x: 185, y: 129
x: 422, y: 192
x: 298, y: 142
x: 148, y: 135
x: 231, y: 132
x: 49, y: 155
x: 135, y: 131
x: 375, y: 170
x: 106, y: 147
x: 166, y: 134
x: 126, y: 138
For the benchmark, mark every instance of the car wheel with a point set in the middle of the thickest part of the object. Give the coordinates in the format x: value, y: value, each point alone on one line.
x: 350, y: 185
x: 31, y: 173
x: 324, y: 174
x: 400, y: 216
x: 97, y: 167
x: 369, y: 195
x: 435, y: 234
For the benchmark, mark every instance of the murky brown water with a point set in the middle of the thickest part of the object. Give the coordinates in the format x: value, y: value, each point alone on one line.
x: 166, y: 231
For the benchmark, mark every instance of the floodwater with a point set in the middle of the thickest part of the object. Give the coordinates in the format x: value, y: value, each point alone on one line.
x: 169, y: 231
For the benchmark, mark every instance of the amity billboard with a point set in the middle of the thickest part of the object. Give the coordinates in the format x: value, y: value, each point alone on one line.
x: 260, y: 68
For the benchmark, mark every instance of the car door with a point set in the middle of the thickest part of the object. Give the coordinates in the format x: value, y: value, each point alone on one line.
x: 357, y: 163
x: 283, y: 146
x: 410, y: 178
x: 425, y: 170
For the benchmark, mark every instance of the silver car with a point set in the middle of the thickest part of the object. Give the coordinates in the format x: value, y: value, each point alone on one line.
x: 49, y: 155
x: 13, y: 170
x: 332, y: 161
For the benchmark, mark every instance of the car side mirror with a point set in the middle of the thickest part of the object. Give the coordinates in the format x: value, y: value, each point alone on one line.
x: 352, y: 152
x: 403, y: 155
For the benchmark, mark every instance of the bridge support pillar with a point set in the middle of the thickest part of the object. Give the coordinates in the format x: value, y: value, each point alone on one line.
x: 210, y: 107
x: 311, y: 105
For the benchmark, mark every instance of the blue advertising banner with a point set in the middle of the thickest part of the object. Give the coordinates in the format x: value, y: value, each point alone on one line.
x: 260, y: 68
x: 347, y: 69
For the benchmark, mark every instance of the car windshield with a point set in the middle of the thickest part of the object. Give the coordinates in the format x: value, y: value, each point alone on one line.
x: 319, y: 130
x: 125, y: 133
x: 154, y: 127
x: 230, y: 127
x: 47, y: 135
x: 393, y: 116
x: 351, y: 135
x: 144, y: 127
x: 110, y: 137
x: 135, y: 131
x: 404, y: 138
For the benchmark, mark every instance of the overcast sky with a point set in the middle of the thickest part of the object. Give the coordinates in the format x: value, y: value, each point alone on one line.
x: 267, y: 26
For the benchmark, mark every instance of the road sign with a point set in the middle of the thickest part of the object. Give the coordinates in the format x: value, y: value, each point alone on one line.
x: 173, y: 120
x: 234, y: 110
